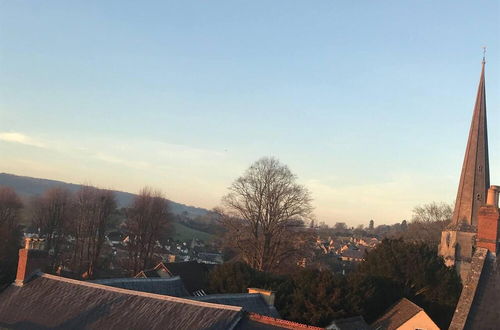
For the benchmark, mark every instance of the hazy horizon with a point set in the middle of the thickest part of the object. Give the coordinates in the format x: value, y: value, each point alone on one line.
x: 368, y: 105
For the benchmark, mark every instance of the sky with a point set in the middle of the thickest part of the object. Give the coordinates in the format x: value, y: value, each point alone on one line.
x: 368, y: 102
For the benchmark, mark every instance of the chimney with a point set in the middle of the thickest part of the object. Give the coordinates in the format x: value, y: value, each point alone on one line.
x: 32, y: 259
x: 488, y: 222
x: 268, y: 295
x: 492, y: 196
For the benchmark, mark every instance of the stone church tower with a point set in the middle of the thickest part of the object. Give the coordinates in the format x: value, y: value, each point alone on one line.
x: 459, y: 239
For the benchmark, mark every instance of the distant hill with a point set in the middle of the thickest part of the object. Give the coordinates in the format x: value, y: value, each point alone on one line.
x: 28, y: 187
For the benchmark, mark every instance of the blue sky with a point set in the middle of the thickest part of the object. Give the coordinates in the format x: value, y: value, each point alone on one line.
x: 368, y: 102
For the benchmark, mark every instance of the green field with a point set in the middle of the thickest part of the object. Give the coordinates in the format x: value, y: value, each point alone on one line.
x: 184, y: 233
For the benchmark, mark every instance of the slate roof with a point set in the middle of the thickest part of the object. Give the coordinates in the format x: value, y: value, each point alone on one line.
x: 116, y: 236
x: 50, y: 301
x: 212, y: 257
x: 396, y: 315
x: 251, y: 302
x: 149, y: 273
x: 479, y: 305
x: 355, y: 254
x: 172, y: 286
x: 194, y: 275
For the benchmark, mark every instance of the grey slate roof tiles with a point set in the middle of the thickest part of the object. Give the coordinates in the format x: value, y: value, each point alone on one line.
x: 396, y: 315
x: 54, y: 302
x: 166, y: 286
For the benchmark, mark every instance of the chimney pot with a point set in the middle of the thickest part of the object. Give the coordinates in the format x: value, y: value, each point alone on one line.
x: 492, y: 196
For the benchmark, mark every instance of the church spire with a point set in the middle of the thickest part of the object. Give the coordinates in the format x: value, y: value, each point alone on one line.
x: 475, y: 177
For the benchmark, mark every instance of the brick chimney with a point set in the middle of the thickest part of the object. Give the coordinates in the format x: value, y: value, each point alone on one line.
x: 268, y: 295
x: 488, y: 222
x: 32, y: 259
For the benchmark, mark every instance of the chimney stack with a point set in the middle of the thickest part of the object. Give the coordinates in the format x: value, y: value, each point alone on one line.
x: 488, y: 222
x: 32, y: 259
x: 492, y: 196
x: 268, y: 295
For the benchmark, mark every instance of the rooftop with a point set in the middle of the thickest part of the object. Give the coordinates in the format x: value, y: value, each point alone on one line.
x: 50, y: 301
x: 397, y: 315
x: 172, y: 286
x: 478, y: 305
x: 193, y: 274
x: 251, y: 302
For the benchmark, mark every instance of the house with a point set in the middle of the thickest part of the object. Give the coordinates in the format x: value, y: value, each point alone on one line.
x: 210, y: 258
x: 170, y: 279
x: 115, y: 238
x: 404, y: 315
x: 353, y: 255
x: 41, y: 301
x: 194, y: 275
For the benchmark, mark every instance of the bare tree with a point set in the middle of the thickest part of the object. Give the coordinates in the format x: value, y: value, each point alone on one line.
x: 51, y: 216
x: 10, y: 206
x: 260, y: 210
x: 93, y: 211
x: 148, y: 221
x: 10, y: 234
x: 428, y: 221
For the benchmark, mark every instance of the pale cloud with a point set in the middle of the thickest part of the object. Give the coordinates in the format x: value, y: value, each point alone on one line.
x: 141, y: 165
x: 15, y: 137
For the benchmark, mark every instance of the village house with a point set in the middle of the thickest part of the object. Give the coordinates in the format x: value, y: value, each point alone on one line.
x: 194, y: 275
x: 404, y: 315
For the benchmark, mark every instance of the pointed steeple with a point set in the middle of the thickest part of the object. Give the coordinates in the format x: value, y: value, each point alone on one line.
x: 475, y: 178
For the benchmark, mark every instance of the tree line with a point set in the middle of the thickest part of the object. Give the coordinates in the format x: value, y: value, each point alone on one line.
x: 393, y: 270
x: 74, y: 226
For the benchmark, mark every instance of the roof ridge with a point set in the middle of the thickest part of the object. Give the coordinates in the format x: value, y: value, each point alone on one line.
x: 401, y: 302
x: 136, y: 279
x: 139, y: 293
x: 411, y: 302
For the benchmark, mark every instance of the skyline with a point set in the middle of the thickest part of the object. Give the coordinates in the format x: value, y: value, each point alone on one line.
x: 369, y: 107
